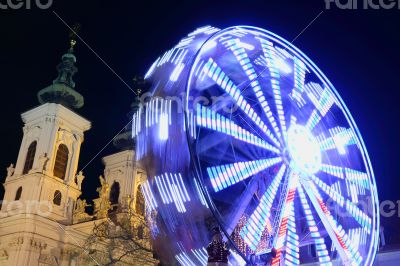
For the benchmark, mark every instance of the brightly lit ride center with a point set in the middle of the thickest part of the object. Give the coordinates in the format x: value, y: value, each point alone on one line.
x: 245, y: 132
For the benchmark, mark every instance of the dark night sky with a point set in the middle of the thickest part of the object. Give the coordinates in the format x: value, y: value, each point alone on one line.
x: 358, y: 50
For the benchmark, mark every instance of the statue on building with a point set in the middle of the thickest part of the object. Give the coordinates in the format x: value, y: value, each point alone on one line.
x: 102, y: 204
x: 217, y: 250
x: 79, y: 179
x: 10, y: 170
x: 102, y: 182
x: 80, y: 211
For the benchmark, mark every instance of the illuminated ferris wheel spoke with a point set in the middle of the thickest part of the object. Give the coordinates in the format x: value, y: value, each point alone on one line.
x: 320, y: 246
x: 299, y: 80
x: 292, y: 240
x: 293, y: 120
x: 313, y: 120
x: 243, y: 58
x: 321, y: 97
x: 280, y: 226
x: 220, y: 78
x: 339, y: 199
x: 340, y: 139
x: 361, y: 217
x: 333, y: 170
x: 358, y: 178
x: 322, y: 100
x: 273, y: 61
x: 223, y: 176
x: 347, y: 252
x: 210, y: 119
x: 254, y: 227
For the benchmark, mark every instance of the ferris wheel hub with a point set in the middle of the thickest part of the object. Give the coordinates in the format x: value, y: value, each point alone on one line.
x: 304, y: 150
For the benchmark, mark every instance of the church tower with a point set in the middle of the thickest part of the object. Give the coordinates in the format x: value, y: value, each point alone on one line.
x: 45, y: 174
x: 42, y: 188
x: 122, y: 172
x: 42, y: 221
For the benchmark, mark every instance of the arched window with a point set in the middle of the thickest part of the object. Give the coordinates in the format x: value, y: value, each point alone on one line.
x: 139, y: 206
x: 114, y: 195
x: 60, y: 165
x: 57, y: 197
x: 18, y: 193
x: 30, y: 156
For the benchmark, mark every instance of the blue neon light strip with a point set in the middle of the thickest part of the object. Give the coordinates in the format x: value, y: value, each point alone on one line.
x: 206, y: 30
x: 172, y: 190
x: 353, y: 177
x: 201, y: 196
x: 358, y: 236
x: 166, y: 57
x: 185, y: 42
x: 184, y: 259
x: 329, y: 191
x: 313, y: 120
x: 293, y: 120
x: 341, y: 235
x: 176, y: 72
x: 299, y: 79
x: 224, y: 176
x: 201, y: 255
x: 208, y: 118
x: 353, y: 191
x: 313, y: 91
x: 320, y: 246
x: 292, y: 240
x: 242, y: 57
x: 323, y: 104
x: 152, y: 68
x: 340, y: 138
x: 270, y: 56
x: 215, y: 72
x: 252, y: 231
x: 359, y: 178
x: 363, y: 219
x: 333, y: 170
x: 151, y: 203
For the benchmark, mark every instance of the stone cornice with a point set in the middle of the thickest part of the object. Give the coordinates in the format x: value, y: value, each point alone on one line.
x: 56, y: 112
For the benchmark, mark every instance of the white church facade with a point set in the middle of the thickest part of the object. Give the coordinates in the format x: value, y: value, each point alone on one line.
x: 42, y: 219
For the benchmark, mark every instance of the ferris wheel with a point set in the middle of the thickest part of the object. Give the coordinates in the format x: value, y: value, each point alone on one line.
x: 264, y: 147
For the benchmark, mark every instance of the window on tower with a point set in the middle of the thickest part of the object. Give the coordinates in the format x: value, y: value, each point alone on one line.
x: 114, y: 195
x: 60, y: 165
x: 57, y: 197
x: 18, y: 193
x: 139, y: 206
x: 30, y: 156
